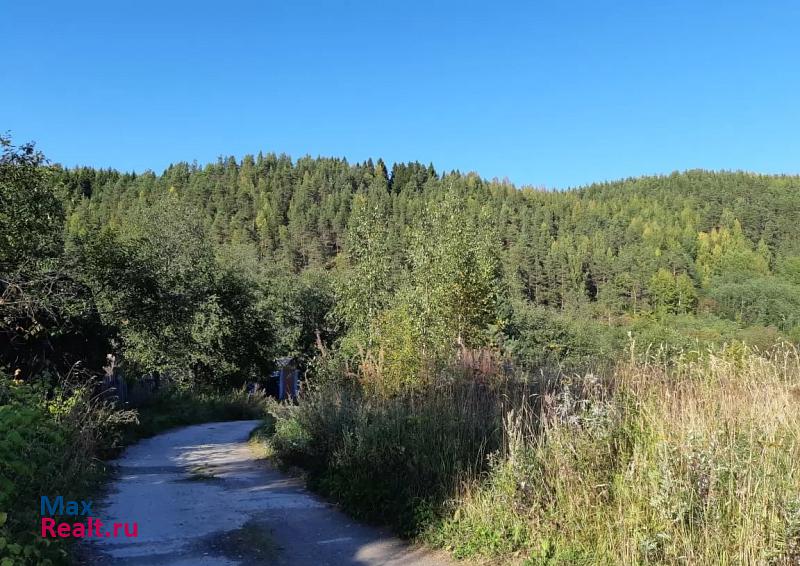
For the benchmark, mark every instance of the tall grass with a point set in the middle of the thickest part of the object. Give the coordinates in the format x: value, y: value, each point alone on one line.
x: 695, y: 461
x: 391, y: 459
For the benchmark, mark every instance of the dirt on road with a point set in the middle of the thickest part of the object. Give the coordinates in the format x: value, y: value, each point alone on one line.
x: 201, y: 497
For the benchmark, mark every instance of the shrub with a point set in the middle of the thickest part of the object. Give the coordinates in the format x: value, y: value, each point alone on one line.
x: 541, y: 338
x: 670, y: 338
x: 48, y: 445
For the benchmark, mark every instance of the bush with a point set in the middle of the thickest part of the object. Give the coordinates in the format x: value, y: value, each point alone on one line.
x: 48, y: 445
x: 391, y: 460
x: 541, y: 338
x: 670, y: 338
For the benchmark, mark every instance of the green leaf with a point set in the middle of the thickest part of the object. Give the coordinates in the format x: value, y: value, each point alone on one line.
x: 3, y: 518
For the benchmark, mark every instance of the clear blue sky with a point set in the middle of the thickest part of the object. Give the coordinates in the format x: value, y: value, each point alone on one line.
x: 549, y: 93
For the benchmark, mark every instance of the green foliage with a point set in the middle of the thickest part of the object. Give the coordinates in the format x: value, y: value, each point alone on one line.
x: 48, y: 445
x: 725, y: 252
x: 602, y: 247
x: 762, y: 300
x: 789, y: 269
x: 455, y: 278
x: 389, y: 460
x: 448, y: 295
x: 30, y: 436
x: 670, y: 338
x: 366, y: 285
x: 31, y: 215
x: 401, y: 360
x: 540, y: 338
x: 601, y: 250
x: 670, y: 293
x: 176, y: 308
x: 47, y: 318
x: 301, y: 305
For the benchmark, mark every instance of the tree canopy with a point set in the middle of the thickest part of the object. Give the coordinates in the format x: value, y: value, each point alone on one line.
x: 214, y: 270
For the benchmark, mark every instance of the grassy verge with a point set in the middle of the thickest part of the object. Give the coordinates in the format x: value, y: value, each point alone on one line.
x: 390, y: 460
x: 176, y: 408
x: 50, y: 441
x: 695, y: 462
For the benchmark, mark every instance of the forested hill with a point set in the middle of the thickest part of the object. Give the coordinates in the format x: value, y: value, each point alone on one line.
x: 708, y: 256
x: 299, y: 211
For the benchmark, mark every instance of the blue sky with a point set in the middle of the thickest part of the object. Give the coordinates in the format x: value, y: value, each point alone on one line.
x: 547, y: 93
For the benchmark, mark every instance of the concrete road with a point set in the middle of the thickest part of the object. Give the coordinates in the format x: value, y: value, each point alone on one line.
x: 200, y: 497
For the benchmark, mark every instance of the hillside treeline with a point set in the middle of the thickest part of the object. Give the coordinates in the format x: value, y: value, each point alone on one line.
x: 413, y: 260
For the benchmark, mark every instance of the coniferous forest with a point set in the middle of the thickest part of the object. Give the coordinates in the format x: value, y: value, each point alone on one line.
x: 683, y: 260
x: 482, y: 363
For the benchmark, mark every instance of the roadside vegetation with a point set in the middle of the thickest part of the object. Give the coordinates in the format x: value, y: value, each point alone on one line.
x: 53, y: 442
x: 601, y: 375
x: 63, y: 310
x: 175, y: 408
x: 690, y: 462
